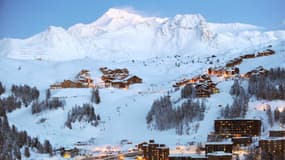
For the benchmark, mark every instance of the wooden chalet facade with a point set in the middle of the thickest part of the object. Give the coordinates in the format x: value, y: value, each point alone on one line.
x: 118, y: 78
x: 234, y: 62
x: 238, y: 127
x: 267, y: 52
x: 248, y: 56
x: 259, y: 71
x: 202, y: 84
x: 223, y: 71
x: 83, y: 80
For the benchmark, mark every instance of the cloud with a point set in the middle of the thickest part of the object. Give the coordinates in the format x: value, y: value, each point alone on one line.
x: 131, y: 9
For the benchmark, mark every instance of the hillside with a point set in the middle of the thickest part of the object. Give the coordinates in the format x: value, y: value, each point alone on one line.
x: 161, y: 51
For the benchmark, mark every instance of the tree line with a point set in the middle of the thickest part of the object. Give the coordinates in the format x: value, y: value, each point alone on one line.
x: 48, y: 104
x: 163, y: 115
x: 84, y: 113
x: 239, y: 106
x: 269, y: 87
x: 25, y: 93
x: 12, y: 141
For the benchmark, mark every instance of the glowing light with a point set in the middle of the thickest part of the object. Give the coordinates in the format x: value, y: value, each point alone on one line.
x: 66, y: 155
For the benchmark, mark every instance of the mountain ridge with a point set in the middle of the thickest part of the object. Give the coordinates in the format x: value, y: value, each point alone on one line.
x: 121, y: 35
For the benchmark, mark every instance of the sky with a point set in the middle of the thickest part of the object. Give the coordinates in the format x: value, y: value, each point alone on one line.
x: 24, y: 18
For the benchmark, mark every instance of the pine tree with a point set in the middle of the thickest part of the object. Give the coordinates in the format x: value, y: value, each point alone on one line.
x: 95, y: 97
x: 48, y: 147
x: 276, y: 115
x: 48, y: 94
x: 2, y: 88
x: 27, y: 152
x: 269, y: 116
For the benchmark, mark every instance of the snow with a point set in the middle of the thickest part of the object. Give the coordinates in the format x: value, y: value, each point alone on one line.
x: 151, y: 48
x: 133, y: 36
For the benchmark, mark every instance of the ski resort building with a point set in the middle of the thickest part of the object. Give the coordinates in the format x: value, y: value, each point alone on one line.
x: 223, y: 71
x: 277, y: 133
x: 238, y: 127
x: 267, y: 52
x: 187, y: 157
x: 118, y: 78
x: 220, y: 156
x: 154, y: 151
x: 272, y: 148
x: 211, y: 147
x: 82, y: 80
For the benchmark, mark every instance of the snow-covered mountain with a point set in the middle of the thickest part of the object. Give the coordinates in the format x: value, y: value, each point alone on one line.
x: 121, y: 35
x: 161, y: 51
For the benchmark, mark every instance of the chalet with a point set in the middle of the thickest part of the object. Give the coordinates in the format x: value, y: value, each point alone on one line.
x: 118, y: 78
x: 259, y: 71
x: 277, y: 133
x: 119, y: 84
x: 238, y: 127
x: 71, y: 84
x: 248, y: 56
x: 84, y: 73
x: 213, y: 87
x: 273, y: 147
x: 267, y: 52
x: 229, y: 72
x: 223, y: 71
x: 202, y: 91
x: 134, y: 79
x: 234, y: 62
x: 220, y: 156
x: 217, y: 71
x: 182, y: 82
x: 56, y: 86
x: 211, y: 147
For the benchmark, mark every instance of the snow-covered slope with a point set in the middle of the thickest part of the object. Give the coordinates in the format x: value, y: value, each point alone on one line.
x: 165, y: 50
x: 121, y: 35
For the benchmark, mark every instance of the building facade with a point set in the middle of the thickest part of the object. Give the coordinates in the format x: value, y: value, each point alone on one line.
x: 238, y: 127
x: 272, y: 148
x: 154, y: 151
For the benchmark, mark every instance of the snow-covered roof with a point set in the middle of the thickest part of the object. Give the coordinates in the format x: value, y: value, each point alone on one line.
x: 219, y: 153
x: 220, y: 143
x: 188, y: 155
x: 273, y: 138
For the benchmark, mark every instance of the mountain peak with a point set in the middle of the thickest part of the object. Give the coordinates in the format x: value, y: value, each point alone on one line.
x: 120, y: 13
x: 115, y: 19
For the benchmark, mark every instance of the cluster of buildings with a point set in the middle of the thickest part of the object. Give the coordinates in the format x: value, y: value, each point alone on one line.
x: 260, y: 71
x: 230, y: 68
x: 229, y: 137
x: 82, y: 80
x: 118, y: 78
x: 203, y: 85
x: 273, y: 147
x: 223, y: 71
x: 238, y: 60
x: 267, y: 52
x: 153, y: 151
